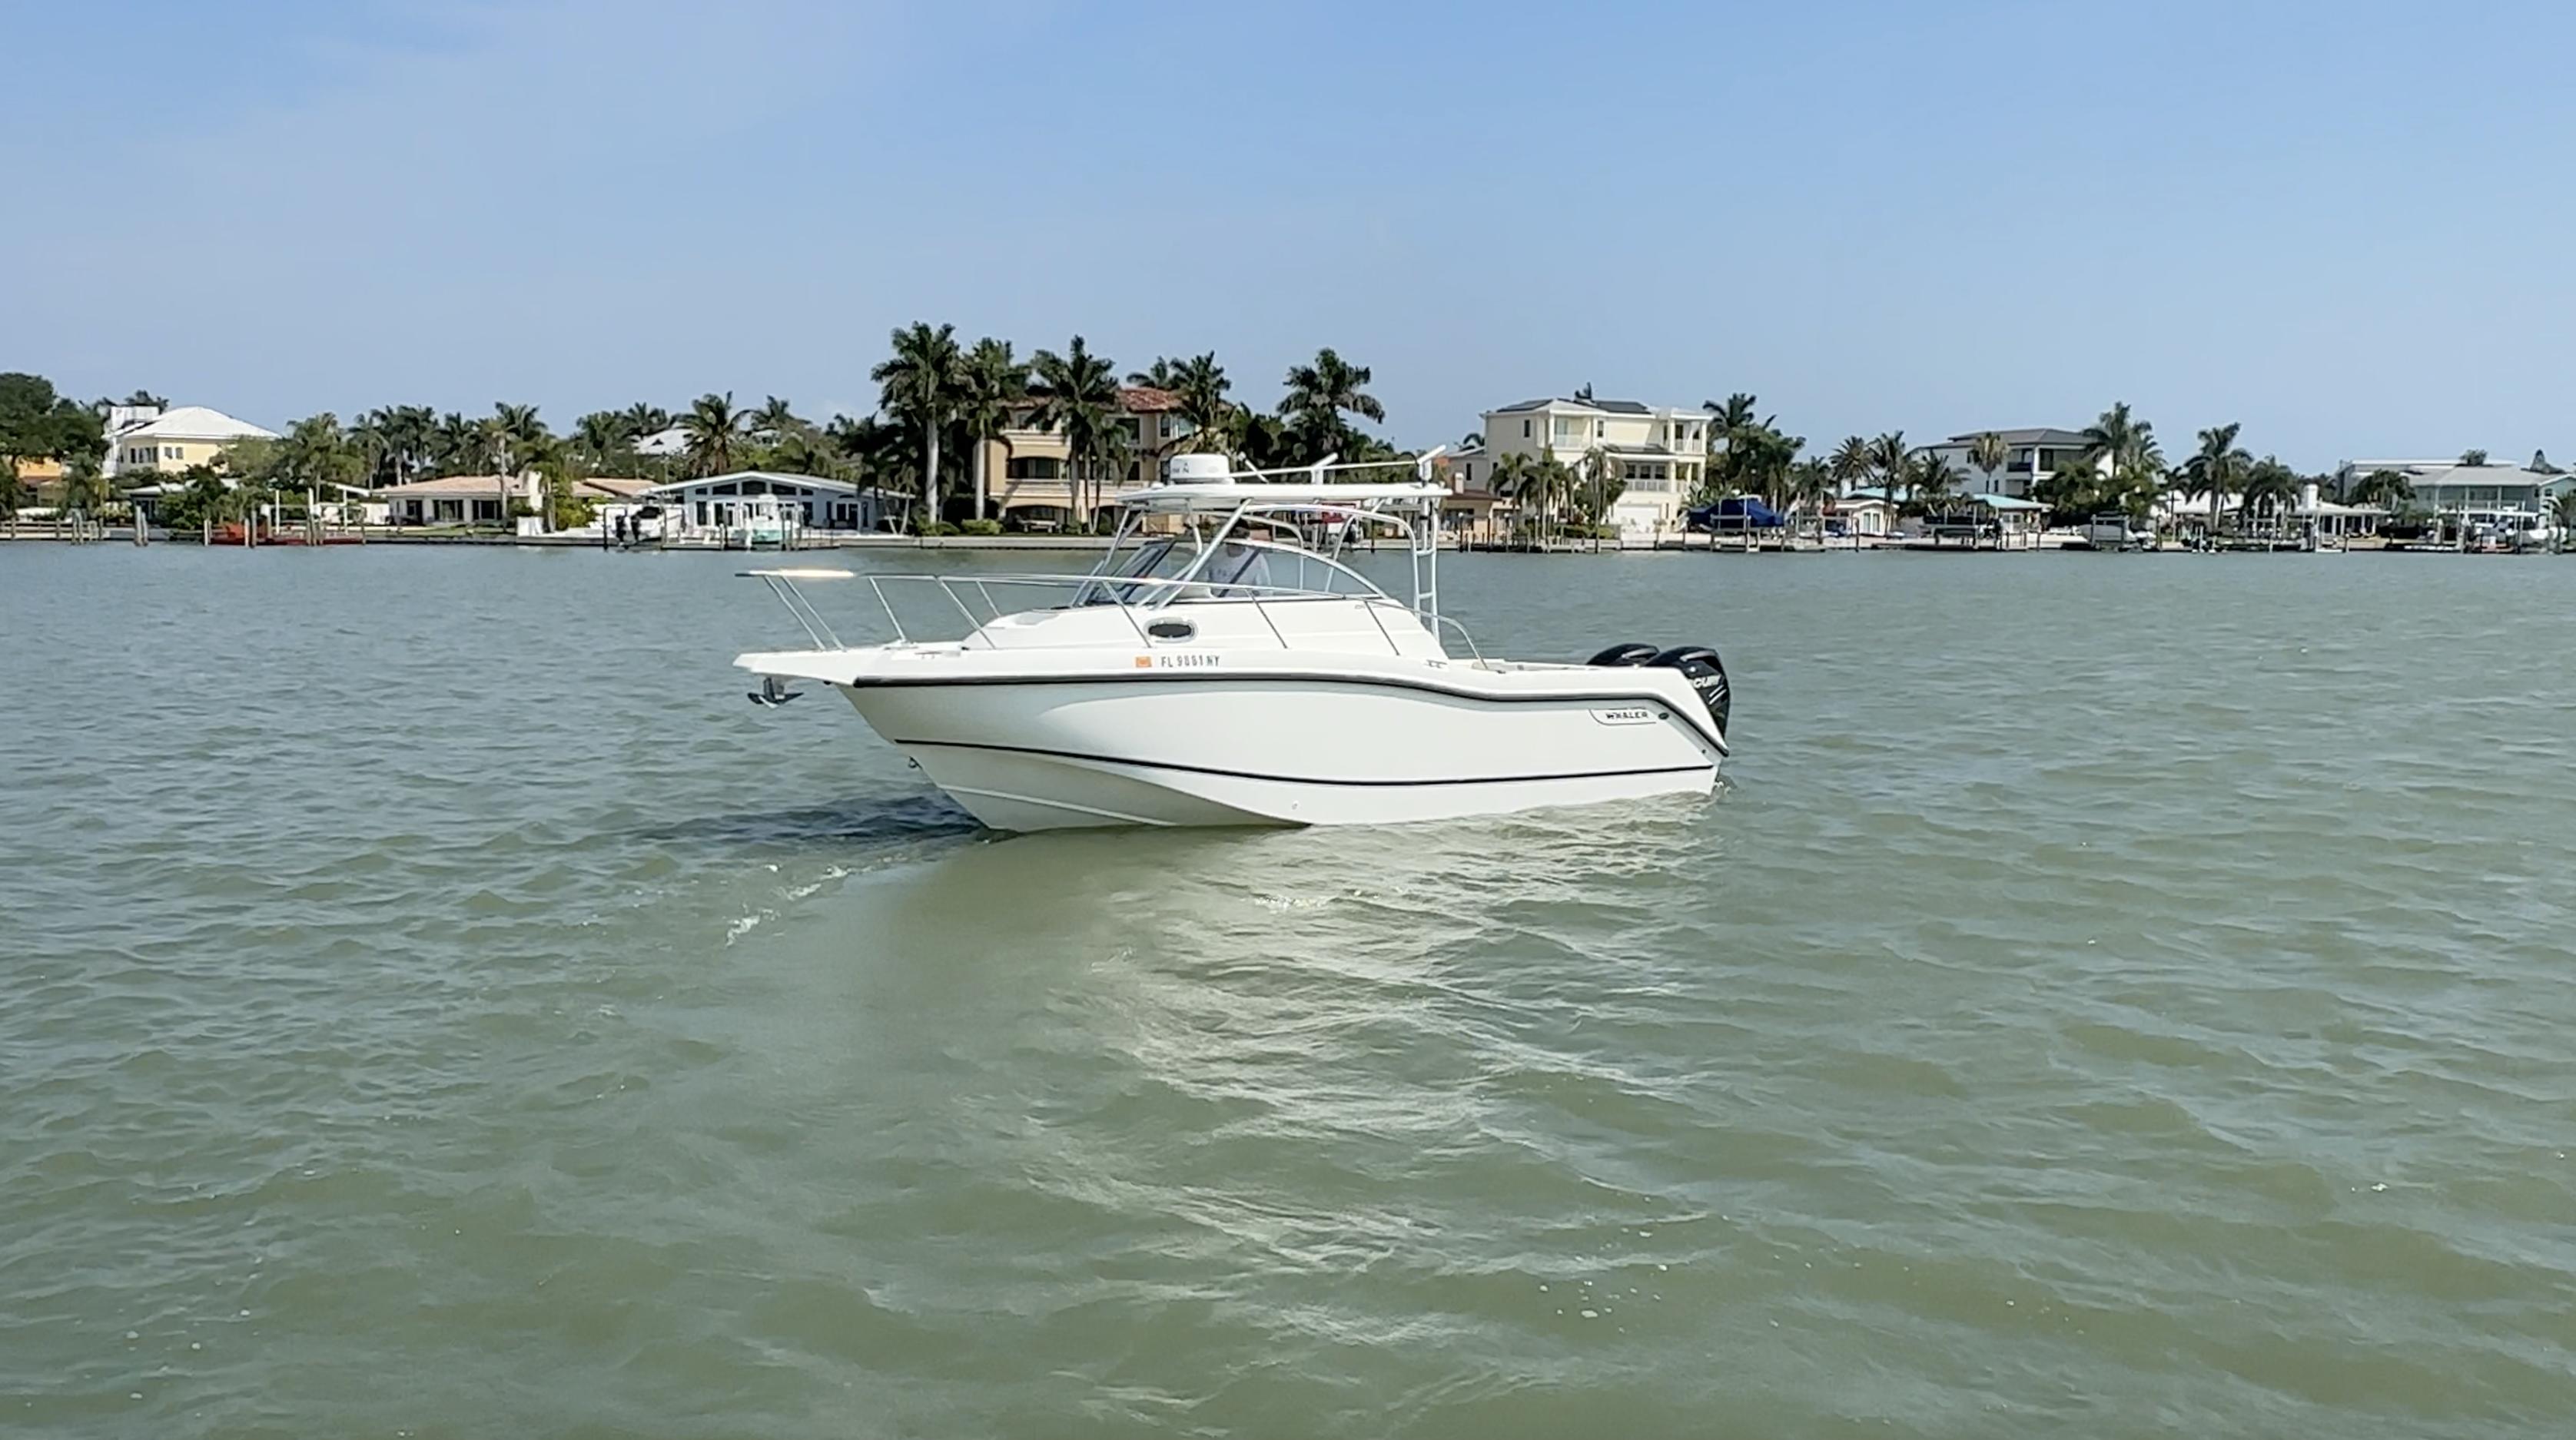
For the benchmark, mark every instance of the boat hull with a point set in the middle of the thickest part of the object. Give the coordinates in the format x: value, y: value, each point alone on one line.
x: 1279, y: 750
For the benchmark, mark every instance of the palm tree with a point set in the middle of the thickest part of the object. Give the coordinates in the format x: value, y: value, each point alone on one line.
x: 644, y: 420
x: 2562, y: 511
x: 2218, y: 467
x: 2270, y: 488
x: 1211, y: 422
x: 458, y: 442
x: 2473, y: 458
x: 1851, y: 462
x: 1558, y: 483
x: 1077, y: 397
x: 1728, y: 418
x: 13, y: 491
x: 714, y: 428
x: 2122, y: 448
x: 1807, y: 489
x: 1989, y: 453
x: 1931, y: 479
x: 603, y: 433
x: 804, y: 451
x: 1472, y: 440
x: 2388, y: 489
x: 1320, y: 394
x: 85, y: 493
x: 1513, y: 478
x: 1163, y: 375
x: 991, y: 382
x: 774, y: 420
x: 919, y: 390
x: 1605, y: 481
x: 1893, y: 463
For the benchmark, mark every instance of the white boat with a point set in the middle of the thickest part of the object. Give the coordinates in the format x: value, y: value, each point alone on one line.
x: 1225, y: 665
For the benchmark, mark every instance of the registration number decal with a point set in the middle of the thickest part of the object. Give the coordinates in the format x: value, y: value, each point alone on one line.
x: 1184, y: 661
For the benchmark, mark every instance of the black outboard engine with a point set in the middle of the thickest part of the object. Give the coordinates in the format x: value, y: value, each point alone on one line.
x: 1707, y: 675
x: 1630, y: 653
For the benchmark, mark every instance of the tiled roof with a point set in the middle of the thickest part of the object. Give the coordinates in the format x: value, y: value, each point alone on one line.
x: 1146, y: 400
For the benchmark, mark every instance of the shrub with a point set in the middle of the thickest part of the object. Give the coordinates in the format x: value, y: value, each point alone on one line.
x: 979, y: 527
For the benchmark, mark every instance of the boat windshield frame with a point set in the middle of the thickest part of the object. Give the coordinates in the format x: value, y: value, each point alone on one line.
x: 1260, y: 514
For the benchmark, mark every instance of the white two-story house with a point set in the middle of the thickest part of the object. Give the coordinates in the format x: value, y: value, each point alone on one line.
x: 1661, y: 453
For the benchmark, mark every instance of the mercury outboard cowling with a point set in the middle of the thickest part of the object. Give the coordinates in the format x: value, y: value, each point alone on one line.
x: 1630, y: 653
x: 1707, y: 675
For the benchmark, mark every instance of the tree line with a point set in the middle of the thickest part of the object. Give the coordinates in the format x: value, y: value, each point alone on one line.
x: 937, y: 399
x: 2119, y: 467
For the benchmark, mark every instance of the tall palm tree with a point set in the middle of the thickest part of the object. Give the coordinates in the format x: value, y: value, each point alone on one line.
x: 1555, y: 482
x: 1892, y: 461
x: 2562, y: 512
x: 2218, y: 467
x: 919, y: 386
x: 1604, y: 481
x: 1077, y: 397
x: 2122, y: 449
x: 1211, y: 422
x: 1735, y: 414
x: 715, y: 432
x: 1851, y: 462
x: 2473, y: 458
x: 1989, y: 453
x: 992, y: 382
x: 1163, y: 374
x: 1320, y: 394
x: 603, y: 433
x: 1931, y: 479
x: 374, y: 440
x: 774, y: 419
x: 643, y: 419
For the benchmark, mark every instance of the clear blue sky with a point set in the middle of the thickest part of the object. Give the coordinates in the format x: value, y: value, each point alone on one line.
x: 2347, y: 225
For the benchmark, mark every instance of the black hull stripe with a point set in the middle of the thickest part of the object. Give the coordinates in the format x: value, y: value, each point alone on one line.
x: 1697, y: 722
x: 1294, y: 779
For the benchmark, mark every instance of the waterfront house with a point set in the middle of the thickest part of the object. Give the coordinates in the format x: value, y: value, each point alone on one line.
x: 1028, y: 471
x: 2447, y: 487
x: 718, y: 503
x: 1661, y: 453
x: 169, y: 441
x: 2033, y: 455
x: 1863, y: 512
x: 457, y: 499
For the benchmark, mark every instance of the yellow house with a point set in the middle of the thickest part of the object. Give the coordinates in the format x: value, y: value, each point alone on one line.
x: 40, y: 472
x: 1026, y: 470
x: 176, y: 439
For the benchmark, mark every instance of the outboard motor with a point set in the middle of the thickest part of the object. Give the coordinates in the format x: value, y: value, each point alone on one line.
x: 1707, y: 675
x: 1630, y: 653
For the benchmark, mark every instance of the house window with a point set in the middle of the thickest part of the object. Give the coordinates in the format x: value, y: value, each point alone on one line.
x: 1525, y: 429
x: 1033, y: 467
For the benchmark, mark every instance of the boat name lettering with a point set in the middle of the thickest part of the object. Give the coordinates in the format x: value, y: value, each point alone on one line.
x: 1625, y: 715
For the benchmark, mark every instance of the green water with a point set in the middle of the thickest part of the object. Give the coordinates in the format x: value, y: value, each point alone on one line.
x: 2111, y: 996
